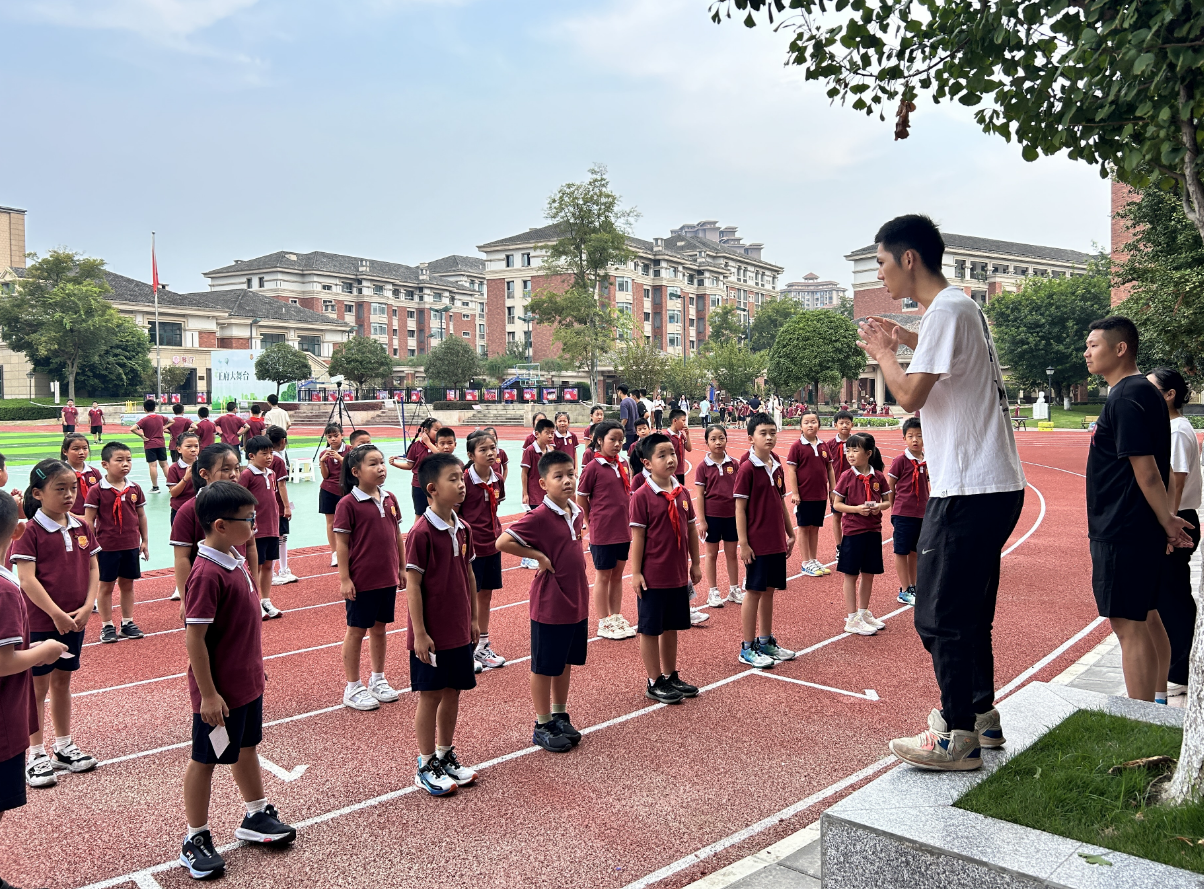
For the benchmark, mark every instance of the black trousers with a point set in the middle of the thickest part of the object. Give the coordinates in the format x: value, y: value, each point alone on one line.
x: 1176, y: 605
x: 957, y: 583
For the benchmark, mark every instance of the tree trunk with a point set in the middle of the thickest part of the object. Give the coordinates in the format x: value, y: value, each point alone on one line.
x: 1188, y: 779
x: 72, y: 368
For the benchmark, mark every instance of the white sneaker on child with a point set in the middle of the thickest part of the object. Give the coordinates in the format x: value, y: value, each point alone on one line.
x: 871, y: 620
x: 334, y: 560
x: 698, y: 617
x: 175, y: 596
x: 735, y: 594
x: 714, y: 599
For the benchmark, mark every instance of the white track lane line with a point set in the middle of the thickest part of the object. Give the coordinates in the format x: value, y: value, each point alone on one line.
x: 1054, y: 468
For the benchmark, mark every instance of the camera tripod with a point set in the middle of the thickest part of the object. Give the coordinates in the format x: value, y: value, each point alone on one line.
x: 420, y: 412
x: 344, y: 418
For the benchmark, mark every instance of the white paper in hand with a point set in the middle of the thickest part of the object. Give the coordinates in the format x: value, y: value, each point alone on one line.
x: 220, y: 739
x: 433, y: 663
x: 66, y: 655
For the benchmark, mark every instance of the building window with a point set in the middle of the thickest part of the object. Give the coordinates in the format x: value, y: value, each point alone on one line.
x: 395, y: 313
x: 509, y: 290
x: 510, y: 338
x: 526, y: 259
x: 173, y: 333
x: 327, y: 287
x: 409, y: 313
x: 294, y: 302
x: 378, y: 290
x: 644, y: 269
x: 348, y: 308
x: 526, y: 289
x: 380, y: 309
x: 675, y: 340
x: 675, y: 317
x: 359, y: 310
x: 394, y: 351
x: 466, y: 334
x: 509, y: 314
x: 647, y: 317
x: 481, y: 329
x: 346, y: 286
x: 250, y: 282
x: 509, y: 260
x: 410, y: 295
x: 410, y: 353
x: 270, y: 339
x: 714, y: 300
x: 410, y: 333
x: 380, y: 330
x: 464, y: 317
x: 310, y: 344
x: 328, y: 305
x: 622, y: 285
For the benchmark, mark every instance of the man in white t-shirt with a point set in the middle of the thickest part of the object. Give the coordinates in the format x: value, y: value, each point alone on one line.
x: 704, y: 411
x: 977, y: 486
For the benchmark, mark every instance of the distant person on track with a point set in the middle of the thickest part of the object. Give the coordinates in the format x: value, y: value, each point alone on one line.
x: 260, y: 480
x: 70, y: 416
x: 230, y: 426
x: 330, y: 491
x: 627, y: 415
x: 205, y: 427
x: 860, y: 496
x: 679, y: 435
x: 177, y: 427
x: 908, y: 477
x: 179, y: 482
x: 479, y: 511
x: 603, y: 493
x: 1130, y: 519
x: 276, y: 415
x: 716, y: 506
x: 279, y: 439
x: 842, y: 421
x: 977, y: 486
x: 96, y: 421
x: 149, y: 428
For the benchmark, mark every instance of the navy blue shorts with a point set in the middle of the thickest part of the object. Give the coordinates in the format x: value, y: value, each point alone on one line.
x: 268, y: 549
x: 907, y: 533
x: 327, y: 502
x: 244, y: 725
x: 419, y: 496
x: 555, y: 646
x: 155, y: 455
x: 860, y: 554
x: 661, y: 610
x: 97, y: 430
x: 74, y: 642
x: 455, y: 669
x: 370, y: 606
x: 12, y: 782
x: 608, y: 555
x: 120, y: 563
x: 722, y: 528
x: 766, y: 572
x: 488, y: 571
x: 810, y: 513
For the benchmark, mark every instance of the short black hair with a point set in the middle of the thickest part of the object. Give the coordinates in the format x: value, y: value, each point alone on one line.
x: 543, y: 424
x: 273, y: 399
x: 107, y: 452
x: 760, y: 418
x: 221, y: 500
x: 2, y: 461
x: 191, y: 433
x: 642, y: 421
x: 356, y: 434
x: 550, y: 460
x: 675, y: 413
x: 149, y: 404
x: 276, y: 434
x: 622, y: 387
x: 231, y: 405
x: 648, y: 446
x: 177, y: 408
x: 256, y: 409
x: 10, y: 514
x: 842, y: 415
x: 1119, y: 329
x: 913, y: 232
x: 257, y: 443
x: 202, y: 412
x: 445, y: 432
x: 432, y: 467
x: 911, y: 423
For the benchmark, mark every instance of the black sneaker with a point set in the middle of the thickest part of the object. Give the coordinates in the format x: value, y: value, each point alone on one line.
x: 201, y: 859
x: 549, y: 736
x: 72, y: 759
x: 265, y: 827
x: 663, y: 692
x: 129, y: 630
x: 108, y: 633
x: 155, y: 490
x: 687, y: 690
x: 566, y: 728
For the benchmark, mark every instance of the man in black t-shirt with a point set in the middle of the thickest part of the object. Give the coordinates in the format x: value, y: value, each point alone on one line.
x: 1129, y: 518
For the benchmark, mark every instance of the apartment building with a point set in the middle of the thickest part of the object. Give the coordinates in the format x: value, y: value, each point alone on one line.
x: 666, y: 292
x: 408, y: 309
x: 812, y: 293
x: 12, y: 238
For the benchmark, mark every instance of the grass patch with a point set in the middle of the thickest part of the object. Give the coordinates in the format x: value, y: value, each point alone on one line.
x: 1065, y: 419
x: 1061, y: 785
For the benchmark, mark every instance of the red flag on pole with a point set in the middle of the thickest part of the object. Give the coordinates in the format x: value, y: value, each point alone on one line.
x: 154, y: 269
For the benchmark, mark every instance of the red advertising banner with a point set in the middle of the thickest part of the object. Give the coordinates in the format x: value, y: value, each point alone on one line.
x: 472, y: 395
x: 452, y: 394
x: 550, y: 394
x: 415, y: 395
x: 510, y: 395
x: 491, y: 394
x: 529, y: 394
x: 202, y: 398
x: 570, y: 394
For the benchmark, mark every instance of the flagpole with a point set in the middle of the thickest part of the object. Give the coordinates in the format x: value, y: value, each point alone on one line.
x: 158, y: 330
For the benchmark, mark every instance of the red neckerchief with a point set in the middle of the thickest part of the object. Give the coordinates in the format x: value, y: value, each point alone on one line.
x: 118, y: 515
x: 868, y: 481
x: 492, y: 497
x: 917, y: 475
x: 618, y: 464
x: 674, y: 517
x: 82, y: 478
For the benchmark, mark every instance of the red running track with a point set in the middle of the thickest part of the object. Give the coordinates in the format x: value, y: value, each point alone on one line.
x: 654, y: 795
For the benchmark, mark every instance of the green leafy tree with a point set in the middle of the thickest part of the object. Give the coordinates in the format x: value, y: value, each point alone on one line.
x: 815, y: 348
x: 641, y: 364
x: 1045, y: 324
x: 362, y: 360
x: 1118, y: 85
x: 281, y: 363
x: 452, y: 363
x: 771, y: 317
x: 593, y: 237
x: 173, y: 377
x: 118, y: 370
x: 734, y: 368
x: 845, y: 307
x: 689, y: 376
x: 724, y: 327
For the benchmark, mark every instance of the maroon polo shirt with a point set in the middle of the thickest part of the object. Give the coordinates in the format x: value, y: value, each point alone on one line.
x: 18, y: 713
x: 280, y: 468
x: 62, y: 560
x: 177, y: 427
x: 911, y: 485
x: 175, y: 473
x: 567, y: 443
x: 220, y: 593
x: 96, y: 416
x: 840, y: 463
x: 418, y: 451
x: 562, y: 597
x: 116, y: 521
x: 187, y: 531
x: 70, y: 415
x: 666, y: 564
x: 262, y: 483
x: 587, y: 455
x: 228, y: 425
x: 851, y: 487
x: 766, y: 525
x: 529, y: 440
x: 531, y: 455
x: 679, y: 448
x: 609, y: 519
x: 207, y: 431
x: 256, y: 425
x: 152, y: 427
x: 639, y: 479
x: 479, y: 510
x: 718, y: 481
x: 810, y: 464
x: 372, y: 527
x: 631, y: 454
x: 333, y: 482
x: 447, y: 551
x: 86, y: 479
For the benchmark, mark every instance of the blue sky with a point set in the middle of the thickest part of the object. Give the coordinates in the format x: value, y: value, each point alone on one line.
x: 409, y: 129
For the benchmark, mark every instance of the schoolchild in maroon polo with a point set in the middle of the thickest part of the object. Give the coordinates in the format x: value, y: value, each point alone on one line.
x: 180, y: 471
x: 63, y: 557
x: 96, y: 421
x: 808, y: 471
x: 541, y: 444
x: 666, y: 550
x: 718, y: 481
x: 861, y: 550
x: 150, y: 429
x: 75, y: 454
x: 205, y: 428
x: 331, y: 489
x: 115, y: 509
x: 843, y: 421
x: 534, y: 433
x: 856, y: 488
x: 259, y: 479
x: 446, y: 606
x: 604, y: 491
x: 716, y: 476
x: 177, y: 427
x: 70, y: 416
x: 482, y: 494
x: 229, y: 424
x: 564, y: 439
x: 760, y: 483
x: 372, y: 525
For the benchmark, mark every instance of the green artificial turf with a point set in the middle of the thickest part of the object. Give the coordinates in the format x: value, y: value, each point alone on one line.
x: 1061, y: 785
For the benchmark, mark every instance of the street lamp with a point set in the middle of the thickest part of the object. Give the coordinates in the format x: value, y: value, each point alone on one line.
x: 528, y: 319
x: 30, y: 377
x: 1049, y: 372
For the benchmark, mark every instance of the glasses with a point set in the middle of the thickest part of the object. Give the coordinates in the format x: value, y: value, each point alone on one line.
x: 230, y: 518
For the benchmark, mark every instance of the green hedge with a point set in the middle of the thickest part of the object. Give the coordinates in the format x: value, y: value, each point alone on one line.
x: 1196, y: 422
x: 875, y: 421
x: 28, y: 412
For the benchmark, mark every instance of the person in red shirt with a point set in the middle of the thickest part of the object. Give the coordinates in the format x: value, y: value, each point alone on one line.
x: 149, y: 428
x: 259, y: 479
x: 177, y: 427
x: 860, y: 496
x: 205, y: 428
x: 420, y: 448
x: 279, y: 438
x: 808, y: 470
x: 550, y: 535
x: 330, y: 462
x: 74, y: 453
x: 479, y: 512
x: 96, y: 421
x: 179, y: 480
x: 541, y: 444
x: 55, y: 558
x: 114, y: 510
x: 679, y: 436
x: 367, y: 528
x: 70, y: 416
x: 766, y: 539
x: 535, y: 418
x: 445, y: 440
x: 597, y: 414
x: 908, y: 479
x: 564, y: 439
x: 663, y: 537
x: 502, y: 465
x: 843, y: 421
x: 716, y: 479
x: 230, y: 426
x: 442, y: 627
x: 253, y: 426
x: 223, y: 636
x: 603, y: 494
x: 642, y: 430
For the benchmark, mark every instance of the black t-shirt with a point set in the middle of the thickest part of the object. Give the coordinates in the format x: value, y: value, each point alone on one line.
x: 1133, y: 423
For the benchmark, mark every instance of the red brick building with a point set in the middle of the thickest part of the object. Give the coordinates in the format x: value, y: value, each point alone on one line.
x: 1121, y: 195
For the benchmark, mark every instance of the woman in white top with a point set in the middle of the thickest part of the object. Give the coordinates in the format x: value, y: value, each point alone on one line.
x: 658, y: 411
x: 1176, y: 606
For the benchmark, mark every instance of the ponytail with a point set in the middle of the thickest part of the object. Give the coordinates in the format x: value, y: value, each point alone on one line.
x: 352, y: 460
x: 864, y: 441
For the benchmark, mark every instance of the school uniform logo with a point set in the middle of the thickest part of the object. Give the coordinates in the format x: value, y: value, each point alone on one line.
x: 393, y: 509
x: 133, y: 497
x: 729, y: 469
x: 875, y: 487
x: 781, y: 484
x: 82, y: 540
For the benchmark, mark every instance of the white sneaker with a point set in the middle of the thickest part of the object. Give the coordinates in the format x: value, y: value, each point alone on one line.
x: 278, y: 580
x: 268, y: 611
x: 609, y: 629
x: 40, y: 773
x: 626, y: 630
x: 382, y: 691
x: 487, y: 657
x: 822, y: 568
x: 735, y: 594
x: 857, y: 625
x: 175, y: 596
x: 698, y: 617
x: 714, y: 599
x: 529, y: 563
x: 452, y: 767
x: 811, y: 569
x: 289, y: 577
x: 359, y: 698
x: 871, y: 620
x: 334, y: 560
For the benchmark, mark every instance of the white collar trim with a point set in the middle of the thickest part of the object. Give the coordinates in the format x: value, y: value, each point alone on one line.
x: 727, y: 458
x: 51, y: 525
x: 104, y: 483
x: 912, y: 457
x: 9, y: 576
x: 477, y: 480
x: 180, y: 463
x: 674, y: 484
x: 226, y: 560
x: 441, y: 525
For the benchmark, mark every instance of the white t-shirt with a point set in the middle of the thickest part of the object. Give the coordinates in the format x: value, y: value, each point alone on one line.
x: 704, y: 407
x: 277, y: 416
x: 968, y: 436
x: 1185, y: 457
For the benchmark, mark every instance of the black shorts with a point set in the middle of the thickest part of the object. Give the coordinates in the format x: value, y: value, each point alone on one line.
x: 555, y: 646
x: 1126, y: 577
x: 327, y: 502
x: 283, y: 527
x: 96, y: 430
x: 766, y: 572
x: 12, y: 782
x: 244, y: 725
x: 119, y: 563
x: 370, y: 606
x: 722, y: 527
x: 488, y: 571
x: 456, y: 669
x: 681, y: 478
x: 155, y: 455
x: 907, y: 533
x: 661, y: 610
x: 172, y: 520
x: 810, y: 513
x: 175, y: 455
x: 74, y: 642
x: 608, y: 555
x: 267, y: 549
x: 860, y: 554
x: 419, y: 498
x: 67, y: 429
